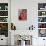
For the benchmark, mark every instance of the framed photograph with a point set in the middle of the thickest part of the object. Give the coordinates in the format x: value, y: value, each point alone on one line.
x: 22, y: 13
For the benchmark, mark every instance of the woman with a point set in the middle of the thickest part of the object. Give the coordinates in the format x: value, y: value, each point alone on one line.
x: 23, y: 15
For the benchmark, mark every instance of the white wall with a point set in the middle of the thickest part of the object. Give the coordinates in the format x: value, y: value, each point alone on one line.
x: 32, y: 9
x: 31, y: 13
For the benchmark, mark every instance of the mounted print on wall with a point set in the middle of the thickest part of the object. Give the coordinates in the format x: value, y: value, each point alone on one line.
x: 22, y: 14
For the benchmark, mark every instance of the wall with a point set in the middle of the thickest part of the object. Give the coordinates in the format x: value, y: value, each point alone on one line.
x: 31, y: 13
x: 32, y: 8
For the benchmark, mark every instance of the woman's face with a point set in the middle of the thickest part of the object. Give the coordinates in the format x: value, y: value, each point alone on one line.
x: 23, y: 15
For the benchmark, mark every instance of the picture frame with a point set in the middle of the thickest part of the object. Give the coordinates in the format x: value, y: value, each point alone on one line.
x: 22, y: 14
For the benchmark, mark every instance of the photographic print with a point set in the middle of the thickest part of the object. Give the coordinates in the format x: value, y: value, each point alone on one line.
x: 22, y: 14
x: 4, y: 29
x: 3, y: 19
x: 41, y: 19
x: 41, y: 25
x: 42, y: 32
x: 41, y: 6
